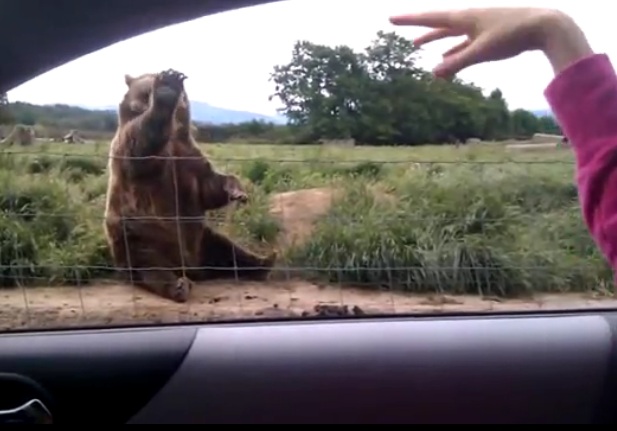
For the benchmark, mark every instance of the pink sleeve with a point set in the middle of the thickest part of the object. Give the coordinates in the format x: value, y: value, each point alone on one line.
x: 583, y: 98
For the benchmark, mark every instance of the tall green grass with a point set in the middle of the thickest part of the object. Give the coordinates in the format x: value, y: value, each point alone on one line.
x: 473, y: 220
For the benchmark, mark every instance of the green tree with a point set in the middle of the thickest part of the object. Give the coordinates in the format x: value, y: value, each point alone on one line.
x: 319, y: 89
x: 392, y: 101
x: 497, y: 123
x: 382, y: 96
x: 6, y: 116
x: 547, y: 124
x: 524, y: 123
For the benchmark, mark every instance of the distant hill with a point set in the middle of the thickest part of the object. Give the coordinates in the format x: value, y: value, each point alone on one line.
x: 542, y: 112
x: 205, y: 113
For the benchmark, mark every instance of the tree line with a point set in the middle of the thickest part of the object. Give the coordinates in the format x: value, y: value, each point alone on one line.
x: 60, y: 117
x: 381, y: 96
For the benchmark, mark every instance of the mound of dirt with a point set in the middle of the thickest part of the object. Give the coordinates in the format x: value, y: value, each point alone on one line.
x: 298, y: 210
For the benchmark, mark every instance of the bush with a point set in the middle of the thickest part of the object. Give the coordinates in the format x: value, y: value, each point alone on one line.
x: 39, y: 216
x: 459, y: 233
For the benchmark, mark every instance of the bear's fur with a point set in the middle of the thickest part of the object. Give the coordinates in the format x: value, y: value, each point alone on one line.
x: 160, y: 185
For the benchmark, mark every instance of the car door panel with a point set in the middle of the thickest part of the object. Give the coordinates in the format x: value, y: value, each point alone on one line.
x: 103, y: 376
x: 536, y: 370
x: 522, y: 369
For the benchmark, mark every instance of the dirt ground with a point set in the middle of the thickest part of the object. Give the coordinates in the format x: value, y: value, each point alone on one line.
x: 108, y: 303
x: 112, y: 304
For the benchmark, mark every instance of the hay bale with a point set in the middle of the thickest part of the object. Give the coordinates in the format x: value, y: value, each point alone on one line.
x: 546, y: 138
x: 20, y: 135
x: 73, y: 137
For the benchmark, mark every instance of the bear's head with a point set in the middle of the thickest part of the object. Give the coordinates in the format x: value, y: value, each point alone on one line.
x: 136, y: 100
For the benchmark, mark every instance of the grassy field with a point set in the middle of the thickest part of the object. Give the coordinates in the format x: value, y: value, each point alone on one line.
x: 479, y: 219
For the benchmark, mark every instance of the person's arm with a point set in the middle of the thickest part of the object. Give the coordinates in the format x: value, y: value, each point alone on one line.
x: 583, y: 97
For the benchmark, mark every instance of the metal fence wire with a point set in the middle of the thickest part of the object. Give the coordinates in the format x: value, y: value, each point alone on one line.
x: 360, y: 228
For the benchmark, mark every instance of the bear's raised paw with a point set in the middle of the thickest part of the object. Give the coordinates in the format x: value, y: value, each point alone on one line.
x: 168, y: 86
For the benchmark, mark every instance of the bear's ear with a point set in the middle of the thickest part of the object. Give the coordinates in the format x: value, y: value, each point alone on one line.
x: 128, y: 79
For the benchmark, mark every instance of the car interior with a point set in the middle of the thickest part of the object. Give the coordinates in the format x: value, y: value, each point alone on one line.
x: 540, y: 367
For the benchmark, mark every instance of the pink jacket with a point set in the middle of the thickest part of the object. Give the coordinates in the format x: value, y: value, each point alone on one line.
x: 583, y: 98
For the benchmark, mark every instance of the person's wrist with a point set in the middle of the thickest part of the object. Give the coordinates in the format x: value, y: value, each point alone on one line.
x: 562, y: 40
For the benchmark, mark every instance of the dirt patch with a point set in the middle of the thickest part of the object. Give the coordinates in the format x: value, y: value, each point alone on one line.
x: 298, y: 210
x: 113, y: 304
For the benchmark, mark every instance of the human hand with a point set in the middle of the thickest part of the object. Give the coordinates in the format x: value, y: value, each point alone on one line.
x: 499, y: 33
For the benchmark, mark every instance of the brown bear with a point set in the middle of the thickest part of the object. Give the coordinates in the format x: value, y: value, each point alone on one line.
x: 160, y: 185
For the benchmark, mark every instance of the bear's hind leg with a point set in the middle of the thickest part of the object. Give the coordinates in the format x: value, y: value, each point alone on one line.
x: 165, y: 284
x: 222, y: 258
x: 150, y: 272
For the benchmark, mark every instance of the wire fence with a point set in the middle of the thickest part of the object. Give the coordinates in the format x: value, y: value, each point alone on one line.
x: 319, y: 225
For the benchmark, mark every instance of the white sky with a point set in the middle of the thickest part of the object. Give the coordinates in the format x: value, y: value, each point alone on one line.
x: 228, y: 57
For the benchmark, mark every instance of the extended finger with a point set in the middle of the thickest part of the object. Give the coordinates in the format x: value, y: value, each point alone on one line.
x: 440, y: 33
x: 464, y: 57
x: 457, y: 48
x: 427, y: 19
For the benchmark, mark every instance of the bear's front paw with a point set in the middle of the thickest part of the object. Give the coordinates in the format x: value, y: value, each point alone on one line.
x: 168, y: 86
x: 234, y: 189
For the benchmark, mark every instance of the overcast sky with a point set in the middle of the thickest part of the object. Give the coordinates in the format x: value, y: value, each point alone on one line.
x: 228, y: 57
